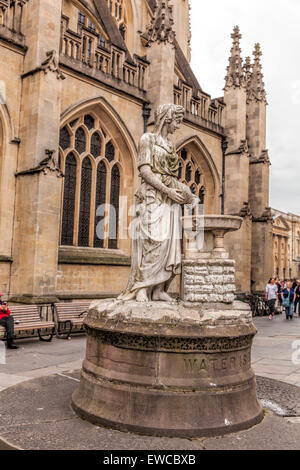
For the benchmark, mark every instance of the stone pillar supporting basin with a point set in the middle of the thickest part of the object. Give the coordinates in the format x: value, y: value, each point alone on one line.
x: 208, y: 275
x: 167, y: 370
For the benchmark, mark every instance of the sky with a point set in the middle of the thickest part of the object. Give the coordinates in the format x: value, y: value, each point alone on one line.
x: 276, y: 26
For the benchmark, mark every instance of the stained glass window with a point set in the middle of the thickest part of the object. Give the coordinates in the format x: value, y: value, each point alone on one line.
x: 183, y: 154
x: 96, y: 145
x: 191, y: 174
x: 197, y: 177
x: 85, y: 203
x: 64, y: 138
x: 110, y: 151
x: 100, y: 201
x: 114, y: 202
x: 80, y: 141
x: 188, y: 173
x: 89, y: 121
x: 69, y: 200
x: 78, y: 210
x: 72, y: 123
x: 202, y: 195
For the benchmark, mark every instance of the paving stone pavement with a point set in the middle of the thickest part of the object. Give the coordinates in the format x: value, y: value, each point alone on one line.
x: 47, y: 422
x: 276, y: 349
x: 44, y: 375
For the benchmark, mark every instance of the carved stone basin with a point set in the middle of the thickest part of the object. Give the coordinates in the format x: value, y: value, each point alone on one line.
x: 224, y: 223
x: 218, y: 225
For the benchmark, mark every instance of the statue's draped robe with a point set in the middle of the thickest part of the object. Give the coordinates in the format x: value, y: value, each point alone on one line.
x: 156, y: 230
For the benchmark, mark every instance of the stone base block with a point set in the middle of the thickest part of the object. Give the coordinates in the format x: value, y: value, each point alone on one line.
x: 166, y: 370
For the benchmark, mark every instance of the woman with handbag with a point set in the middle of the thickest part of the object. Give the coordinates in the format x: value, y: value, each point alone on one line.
x: 288, y: 299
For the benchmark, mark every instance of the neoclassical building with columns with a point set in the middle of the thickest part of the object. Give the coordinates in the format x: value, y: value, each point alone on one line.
x: 286, y: 245
x: 79, y: 83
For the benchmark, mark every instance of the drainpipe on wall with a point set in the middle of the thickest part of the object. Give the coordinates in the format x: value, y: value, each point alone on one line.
x: 224, y: 149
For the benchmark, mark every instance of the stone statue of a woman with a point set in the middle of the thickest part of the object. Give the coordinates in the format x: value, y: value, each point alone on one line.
x: 156, y: 249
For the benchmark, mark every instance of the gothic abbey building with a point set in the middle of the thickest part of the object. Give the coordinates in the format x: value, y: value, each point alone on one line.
x: 79, y: 83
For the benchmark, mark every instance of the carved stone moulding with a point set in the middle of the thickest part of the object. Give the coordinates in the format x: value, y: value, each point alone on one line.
x: 170, y: 344
x: 176, y: 375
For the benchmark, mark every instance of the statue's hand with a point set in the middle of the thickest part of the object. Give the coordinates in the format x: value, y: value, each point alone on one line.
x: 194, y: 202
x: 176, y: 196
x: 190, y: 198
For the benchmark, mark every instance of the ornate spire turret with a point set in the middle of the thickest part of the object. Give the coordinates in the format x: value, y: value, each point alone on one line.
x: 256, y: 87
x: 235, y: 77
x: 161, y: 26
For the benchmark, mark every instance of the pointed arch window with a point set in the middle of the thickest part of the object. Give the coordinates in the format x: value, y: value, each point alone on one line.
x: 202, y: 195
x: 110, y: 151
x: 96, y: 145
x: 191, y: 174
x: 197, y: 177
x: 85, y: 202
x: 188, y: 173
x: 69, y: 200
x: 89, y: 121
x: 80, y: 140
x: 99, y: 234
x: 93, y: 182
x: 64, y: 138
x: 114, y: 202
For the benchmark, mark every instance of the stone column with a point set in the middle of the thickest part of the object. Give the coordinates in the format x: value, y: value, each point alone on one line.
x: 159, y: 38
x: 38, y: 188
x: 161, y: 83
x: 262, y: 254
x: 237, y: 163
x: 261, y: 265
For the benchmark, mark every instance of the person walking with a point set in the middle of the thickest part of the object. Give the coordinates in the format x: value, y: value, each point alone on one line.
x: 297, y: 300
x: 7, y: 321
x: 279, y: 290
x: 288, y: 297
x: 271, y: 296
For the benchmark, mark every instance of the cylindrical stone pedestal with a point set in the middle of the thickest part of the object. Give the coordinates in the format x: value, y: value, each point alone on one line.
x: 165, y: 370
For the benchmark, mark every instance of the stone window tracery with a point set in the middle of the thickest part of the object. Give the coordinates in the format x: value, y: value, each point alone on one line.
x: 90, y: 161
x: 191, y: 175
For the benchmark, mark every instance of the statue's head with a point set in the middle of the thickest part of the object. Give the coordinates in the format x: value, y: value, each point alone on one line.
x: 170, y: 115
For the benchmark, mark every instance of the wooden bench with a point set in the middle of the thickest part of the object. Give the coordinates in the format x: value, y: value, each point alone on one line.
x: 69, y: 315
x: 27, y: 318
